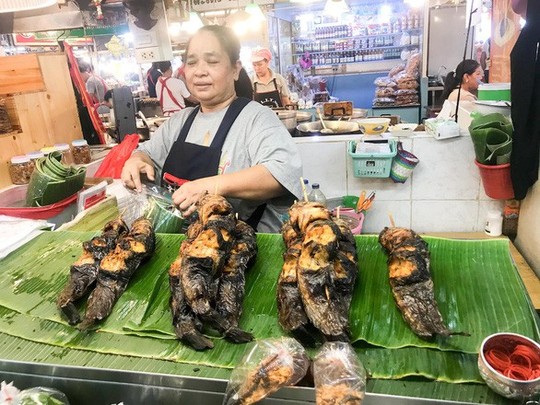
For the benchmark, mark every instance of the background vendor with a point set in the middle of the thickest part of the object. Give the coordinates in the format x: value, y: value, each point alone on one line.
x: 468, y: 75
x: 228, y: 145
x: 171, y: 92
x: 269, y: 88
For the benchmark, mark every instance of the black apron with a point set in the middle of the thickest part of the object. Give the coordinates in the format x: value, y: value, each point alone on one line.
x: 270, y: 99
x: 190, y: 161
x: 525, y: 73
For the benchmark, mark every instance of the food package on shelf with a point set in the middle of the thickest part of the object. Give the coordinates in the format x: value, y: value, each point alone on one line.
x: 338, y: 375
x: 266, y: 367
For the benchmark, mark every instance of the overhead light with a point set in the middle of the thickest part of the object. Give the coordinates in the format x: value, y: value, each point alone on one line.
x: 336, y: 7
x: 255, y: 11
x: 193, y: 24
x: 9, y: 6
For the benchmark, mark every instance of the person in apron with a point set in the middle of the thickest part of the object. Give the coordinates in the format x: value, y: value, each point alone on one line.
x: 269, y: 88
x: 171, y: 92
x: 228, y: 145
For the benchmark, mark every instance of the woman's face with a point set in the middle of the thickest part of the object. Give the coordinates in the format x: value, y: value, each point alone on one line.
x: 474, y: 80
x: 260, y: 67
x: 210, y: 74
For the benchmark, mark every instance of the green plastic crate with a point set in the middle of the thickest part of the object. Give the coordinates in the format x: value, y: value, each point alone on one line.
x: 372, y: 164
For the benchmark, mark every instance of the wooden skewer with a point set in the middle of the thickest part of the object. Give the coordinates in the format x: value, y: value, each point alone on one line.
x: 304, y: 191
x: 337, y: 211
x: 391, y: 220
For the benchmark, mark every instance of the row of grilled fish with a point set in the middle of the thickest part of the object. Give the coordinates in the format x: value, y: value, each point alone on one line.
x: 106, y: 265
x: 319, y: 272
x: 207, y: 279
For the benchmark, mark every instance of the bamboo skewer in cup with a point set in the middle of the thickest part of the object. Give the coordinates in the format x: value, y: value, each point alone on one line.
x: 304, y: 189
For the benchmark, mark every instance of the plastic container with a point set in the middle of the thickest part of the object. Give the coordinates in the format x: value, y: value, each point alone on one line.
x: 35, y: 155
x: 494, y: 92
x: 317, y: 195
x: 496, y: 180
x: 20, y: 169
x: 375, y: 165
x: 494, y: 222
x: 48, y: 149
x: 403, y: 165
x: 65, y: 150
x: 81, y: 152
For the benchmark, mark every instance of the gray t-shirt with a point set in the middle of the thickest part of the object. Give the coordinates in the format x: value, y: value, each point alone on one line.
x: 96, y: 86
x: 256, y: 137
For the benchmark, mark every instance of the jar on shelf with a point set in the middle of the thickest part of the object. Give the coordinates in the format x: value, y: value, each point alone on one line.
x: 48, y: 149
x: 81, y: 152
x: 35, y: 155
x: 20, y: 169
x: 65, y: 150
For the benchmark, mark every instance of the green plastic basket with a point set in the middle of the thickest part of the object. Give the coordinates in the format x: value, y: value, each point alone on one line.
x: 372, y: 164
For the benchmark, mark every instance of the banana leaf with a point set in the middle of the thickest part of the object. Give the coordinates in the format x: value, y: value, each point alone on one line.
x: 478, y: 289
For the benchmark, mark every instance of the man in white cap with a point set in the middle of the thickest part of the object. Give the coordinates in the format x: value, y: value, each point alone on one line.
x: 269, y: 88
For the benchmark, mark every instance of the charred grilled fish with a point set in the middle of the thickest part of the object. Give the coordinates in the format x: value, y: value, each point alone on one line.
x: 292, y: 316
x: 411, y: 283
x: 83, y: 272
x: 230, y: 294
x: 207, y: 279
x: 116, y: 269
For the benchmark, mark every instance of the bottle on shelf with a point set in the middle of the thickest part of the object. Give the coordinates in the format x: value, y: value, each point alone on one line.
x: 316, y: 195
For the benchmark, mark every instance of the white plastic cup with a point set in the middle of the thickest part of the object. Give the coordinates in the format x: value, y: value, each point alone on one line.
x: 494, y: 223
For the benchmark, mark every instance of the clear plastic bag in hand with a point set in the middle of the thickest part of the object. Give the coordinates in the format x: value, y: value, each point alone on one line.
x: 41, y: 396
x: 267, y: 366
x: 154, y: 203
x: 339, y: 376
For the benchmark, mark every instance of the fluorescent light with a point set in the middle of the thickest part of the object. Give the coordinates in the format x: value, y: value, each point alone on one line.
x: 336, y: 7
x: 9, y: 6
x: 255, y: 11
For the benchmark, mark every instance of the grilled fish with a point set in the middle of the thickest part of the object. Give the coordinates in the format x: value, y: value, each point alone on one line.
x: 116, y: 269
x: 292, y: 315
x: 411, y: 283
x: 321, y: 295
x: 230, y: 294
x: 83, y: 272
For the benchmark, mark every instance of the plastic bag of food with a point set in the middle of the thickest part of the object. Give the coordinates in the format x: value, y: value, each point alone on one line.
x: 384, y: 81
x: 267, y: 366
x: 338, y: 374
x: 41, y: 396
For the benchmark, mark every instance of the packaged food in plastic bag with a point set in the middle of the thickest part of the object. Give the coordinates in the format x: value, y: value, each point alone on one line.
x: 339, y: 376
x: 266, y: 367
x: 41, y: 396
x: 154, y: 203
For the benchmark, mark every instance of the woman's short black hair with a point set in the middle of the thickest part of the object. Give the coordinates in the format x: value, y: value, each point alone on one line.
x: 227, y: 39
x: 453, y: 79
x: 163, y: 66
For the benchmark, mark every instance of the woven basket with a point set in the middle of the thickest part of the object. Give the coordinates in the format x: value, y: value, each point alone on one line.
x: 402, y: 165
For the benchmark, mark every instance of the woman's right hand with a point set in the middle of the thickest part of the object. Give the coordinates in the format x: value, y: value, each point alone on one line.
x: 131, y: 172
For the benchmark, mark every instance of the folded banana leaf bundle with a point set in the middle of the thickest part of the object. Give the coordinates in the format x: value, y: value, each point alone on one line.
x: 492, y: 138
x: 52, y: 181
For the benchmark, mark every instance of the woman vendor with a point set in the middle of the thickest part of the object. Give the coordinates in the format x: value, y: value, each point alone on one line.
x: 269, y: 88
x: 228, y: 145
x: 468, y: 75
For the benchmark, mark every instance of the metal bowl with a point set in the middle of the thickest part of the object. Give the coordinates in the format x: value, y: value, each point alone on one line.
x: 502, y: 385
x: 356, y: 114
x: 337, y: 127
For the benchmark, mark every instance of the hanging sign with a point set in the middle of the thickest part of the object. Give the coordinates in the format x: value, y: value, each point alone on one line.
x: 48, y: 38
x: 215, y: 5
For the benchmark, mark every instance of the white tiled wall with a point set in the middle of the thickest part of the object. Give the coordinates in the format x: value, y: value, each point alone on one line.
x: 444, y: 193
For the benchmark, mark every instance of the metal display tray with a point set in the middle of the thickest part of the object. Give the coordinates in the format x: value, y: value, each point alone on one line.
x: 96, y: 386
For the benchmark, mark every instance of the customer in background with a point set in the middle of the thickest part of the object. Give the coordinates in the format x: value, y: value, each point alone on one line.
x: 228, y: 145
x: 269, y: 88
x: 95, y: 85
x: 171, y: 92
x: 468, y: 75
x: 106, y: 105
x: 152, y: 76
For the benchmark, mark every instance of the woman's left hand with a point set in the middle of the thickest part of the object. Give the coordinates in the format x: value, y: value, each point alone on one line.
x: 186, y: 197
